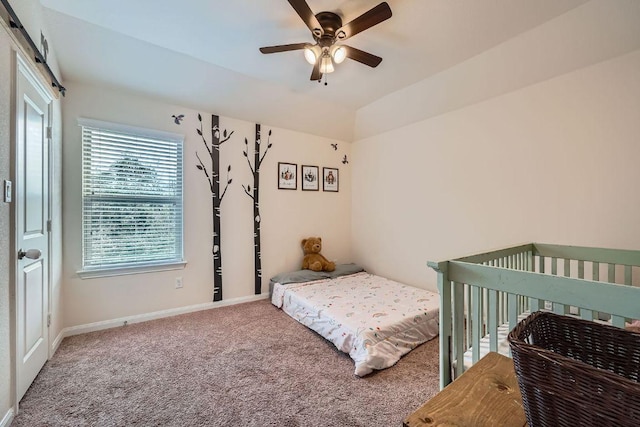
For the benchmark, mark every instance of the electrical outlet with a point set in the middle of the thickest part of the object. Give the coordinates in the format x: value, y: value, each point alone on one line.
x: 7, y: 191
x: 178, y: 282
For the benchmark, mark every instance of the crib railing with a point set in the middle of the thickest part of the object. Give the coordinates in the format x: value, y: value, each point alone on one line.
x: 484, y: 296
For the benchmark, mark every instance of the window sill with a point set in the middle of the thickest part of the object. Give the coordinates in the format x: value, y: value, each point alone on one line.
x: 121, y: 271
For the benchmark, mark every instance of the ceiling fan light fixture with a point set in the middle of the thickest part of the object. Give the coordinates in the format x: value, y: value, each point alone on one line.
x: 329, y: 32
x: 311, y: 54
x: 326, y: 65
x: 339, y: 53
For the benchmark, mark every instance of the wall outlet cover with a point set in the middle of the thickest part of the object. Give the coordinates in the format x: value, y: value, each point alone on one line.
x: 7, y: 191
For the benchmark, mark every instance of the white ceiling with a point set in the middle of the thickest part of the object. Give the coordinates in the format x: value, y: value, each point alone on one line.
x: 203, y: 54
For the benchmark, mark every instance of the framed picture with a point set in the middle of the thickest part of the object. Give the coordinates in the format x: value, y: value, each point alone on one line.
x: 330, y: 179
x: 287, y: 176
x: 310, y: 181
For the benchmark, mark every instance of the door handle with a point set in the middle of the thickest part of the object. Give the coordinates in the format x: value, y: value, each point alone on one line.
x: 30, y: 253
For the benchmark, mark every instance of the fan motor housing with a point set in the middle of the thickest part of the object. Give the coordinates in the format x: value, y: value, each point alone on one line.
x: 330, y: 22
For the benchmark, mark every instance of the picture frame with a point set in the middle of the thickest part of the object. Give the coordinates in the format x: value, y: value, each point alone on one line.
x: 310, y: 178
x: 330, y: 179
x: 287, y: 176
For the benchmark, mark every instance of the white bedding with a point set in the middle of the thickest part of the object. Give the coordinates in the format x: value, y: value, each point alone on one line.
x: 373, y: 319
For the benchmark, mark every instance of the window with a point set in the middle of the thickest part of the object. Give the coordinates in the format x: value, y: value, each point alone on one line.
x: 131, y: 199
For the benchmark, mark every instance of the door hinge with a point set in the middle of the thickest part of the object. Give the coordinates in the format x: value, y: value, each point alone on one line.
x: 49, y: 225
x: 48, y: 320
x: 49, y: 132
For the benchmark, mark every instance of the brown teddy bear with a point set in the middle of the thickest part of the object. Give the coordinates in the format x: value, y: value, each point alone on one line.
x: 313, y: 260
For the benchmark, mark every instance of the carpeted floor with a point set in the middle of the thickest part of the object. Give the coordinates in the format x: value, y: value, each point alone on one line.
x: 242, y: 365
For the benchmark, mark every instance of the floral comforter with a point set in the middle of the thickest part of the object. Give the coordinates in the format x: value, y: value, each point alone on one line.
x: 373, y: 319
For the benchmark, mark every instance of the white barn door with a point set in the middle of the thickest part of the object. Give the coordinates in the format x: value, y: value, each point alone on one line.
x: 32, y: 234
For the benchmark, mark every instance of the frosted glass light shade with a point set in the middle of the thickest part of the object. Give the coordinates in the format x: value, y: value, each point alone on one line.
x: 326, y: 66
x: 310, y: 55
x: 339, y: 54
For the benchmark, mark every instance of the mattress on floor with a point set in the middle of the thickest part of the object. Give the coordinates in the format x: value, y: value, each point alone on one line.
x: 373, y: 319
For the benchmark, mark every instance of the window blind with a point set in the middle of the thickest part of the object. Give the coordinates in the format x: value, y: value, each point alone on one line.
x: 131, y: 196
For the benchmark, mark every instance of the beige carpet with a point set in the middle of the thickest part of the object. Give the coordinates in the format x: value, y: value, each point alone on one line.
x: 243, y: 365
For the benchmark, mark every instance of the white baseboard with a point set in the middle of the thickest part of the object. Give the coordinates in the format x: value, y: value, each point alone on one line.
x: 57, y: 342
x: 113, y: 323
x: 6, y: 420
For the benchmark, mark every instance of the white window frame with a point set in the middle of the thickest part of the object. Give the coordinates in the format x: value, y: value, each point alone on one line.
x: 174, y: 263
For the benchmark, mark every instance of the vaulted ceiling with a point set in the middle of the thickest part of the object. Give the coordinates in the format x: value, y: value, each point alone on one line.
x: 203, y: 54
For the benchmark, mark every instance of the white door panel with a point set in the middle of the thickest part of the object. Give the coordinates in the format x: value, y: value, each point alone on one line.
x: 32, y: 236
x: 35, y: 157
x: 34, y: 301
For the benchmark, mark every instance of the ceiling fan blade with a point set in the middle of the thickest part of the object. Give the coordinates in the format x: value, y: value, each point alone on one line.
x: 316, y: 74
x: 302, y: 8
x: 283, y: 47
x: 374, y: 16
x: 363, y: 57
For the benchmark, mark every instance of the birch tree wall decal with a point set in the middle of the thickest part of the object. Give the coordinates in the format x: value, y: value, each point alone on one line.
x: 254, y: 194
x: 213, y: 150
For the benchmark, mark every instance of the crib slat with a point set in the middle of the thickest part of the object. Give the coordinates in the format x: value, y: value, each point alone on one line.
x: 595, y: 275
x: 554, y: 266
x: 484, y: 308
x: 586, y: 314
x: 618, y: 321
x: 467, y: 294
x: 476, y: 323
x: 562, y: 308
x: 504, y: 314
x: 458, y: 327
x: 612, y: 273
x: 535, y: 304
x: 492, y: 313
x: 581, y: 276
x: 627, y: 275
x: 512, y: 303
x: 559, y: 308
x: 580, y: 269
x: 567, y: 273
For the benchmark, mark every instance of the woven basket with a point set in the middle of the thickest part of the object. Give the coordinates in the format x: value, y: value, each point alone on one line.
x: 574, y: 372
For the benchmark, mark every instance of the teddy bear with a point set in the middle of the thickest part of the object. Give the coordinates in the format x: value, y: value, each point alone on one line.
x: 313, y: 260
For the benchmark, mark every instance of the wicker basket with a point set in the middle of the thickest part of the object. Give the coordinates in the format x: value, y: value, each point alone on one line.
x: 574, y: 372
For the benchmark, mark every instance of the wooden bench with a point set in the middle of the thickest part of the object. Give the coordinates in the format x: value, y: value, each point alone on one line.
x: 485, y: 395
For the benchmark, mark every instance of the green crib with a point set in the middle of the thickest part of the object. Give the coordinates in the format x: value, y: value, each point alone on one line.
x: 484, y: 296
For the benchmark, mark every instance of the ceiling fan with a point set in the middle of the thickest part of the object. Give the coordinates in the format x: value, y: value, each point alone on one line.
x: 329, y: 33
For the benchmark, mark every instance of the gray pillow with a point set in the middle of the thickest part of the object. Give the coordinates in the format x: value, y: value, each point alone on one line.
x: 299, y: 276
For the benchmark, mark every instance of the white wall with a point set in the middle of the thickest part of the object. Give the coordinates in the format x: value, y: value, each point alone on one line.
x: 593, y: 32
x: 554, y: 162
x: 30, y: 14
x: 6, y: 401
x: 287, y: 216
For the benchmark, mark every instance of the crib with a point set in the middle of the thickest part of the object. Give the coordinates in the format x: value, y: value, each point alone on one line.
x: 484, y: 296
